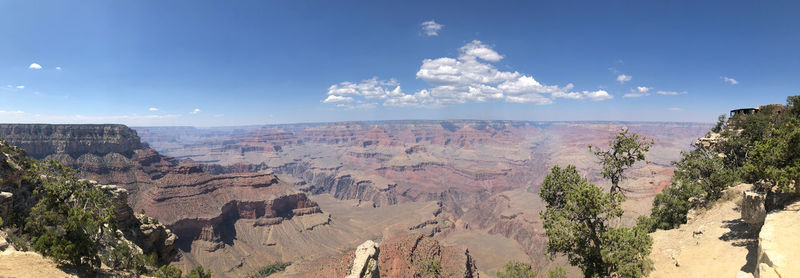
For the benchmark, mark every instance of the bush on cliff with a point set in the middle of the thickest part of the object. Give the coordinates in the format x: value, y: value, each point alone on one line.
x: 269, y: 270
x: 70, y: 217
x: 775, y: 161
x: 762, y: 148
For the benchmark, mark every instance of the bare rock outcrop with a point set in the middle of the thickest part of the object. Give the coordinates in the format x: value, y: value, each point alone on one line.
x: 778, y: 251
x: 365, y: 264
x: 405, y: 255
x: 753, y: 211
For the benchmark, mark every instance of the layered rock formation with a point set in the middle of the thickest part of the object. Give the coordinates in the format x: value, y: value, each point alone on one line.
x: 471, y: 168
x: 192, y: 204
x: 41, y: 140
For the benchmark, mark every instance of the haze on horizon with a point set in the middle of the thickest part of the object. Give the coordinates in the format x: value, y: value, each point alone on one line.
x: 213, y: 63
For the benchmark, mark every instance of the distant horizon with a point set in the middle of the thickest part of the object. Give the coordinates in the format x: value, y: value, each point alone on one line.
x: 365, y: 121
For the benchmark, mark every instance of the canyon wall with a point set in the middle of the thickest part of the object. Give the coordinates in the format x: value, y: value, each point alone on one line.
x: 41, y: 140
x: 484, y: 174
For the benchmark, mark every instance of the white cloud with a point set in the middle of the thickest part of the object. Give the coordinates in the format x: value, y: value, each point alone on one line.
x: 335, y: 98
x: 730, y: 80
x: 17, y: 113
x: 20, y: 87
x: 670, y: 93
x: 35, y: 66
x: 469, y: 78
x: 476, y: 49
x: 195, y: 111
x: 58, y: 68
x: 599, y: 95
x: 623, y: 78
x: 431, y: 28
x: 639, y: 91
x: 153, y: 109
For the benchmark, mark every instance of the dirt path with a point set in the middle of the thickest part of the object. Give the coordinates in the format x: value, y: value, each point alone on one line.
x: 28, y: 264
x: 717, y: 243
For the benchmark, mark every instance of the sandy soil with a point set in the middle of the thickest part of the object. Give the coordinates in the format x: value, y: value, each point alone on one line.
x: 28, y: 264
x: 717, y: 243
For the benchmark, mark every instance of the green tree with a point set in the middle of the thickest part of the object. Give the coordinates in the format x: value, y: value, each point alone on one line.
x: 775, y: 161
x: 516, y: 269
x: 720, y: 124
x: 71, y: 216
x: 624, y: 151
x: 577, y: 221
x: 794, y: 105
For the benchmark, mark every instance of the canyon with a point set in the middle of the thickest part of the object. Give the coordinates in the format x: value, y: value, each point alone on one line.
x: 240, y: 198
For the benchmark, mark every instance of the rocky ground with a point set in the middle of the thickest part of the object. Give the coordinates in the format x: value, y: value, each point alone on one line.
x: 715, y: 243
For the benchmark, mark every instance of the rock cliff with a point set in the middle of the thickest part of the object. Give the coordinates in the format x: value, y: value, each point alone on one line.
x: 41, y: 140
x: 189, y: 204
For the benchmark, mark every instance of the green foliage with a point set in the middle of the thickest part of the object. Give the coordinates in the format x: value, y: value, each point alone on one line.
x: 269, y: 270
x: 199, y: 272
x: 671, y: 205
x: 624, y: 151
x: 515, y: 269
x: 577, y: 223
x: 748, y: 130
x: 707, y: 170
x: 761, y: 148
x: 557, y: 272
x: 626, y: 251
x: 168, y: 271
x: 720, y: 124
x: 432, y: 268
x: 794, y: 105
x: 70, y: 217
x: 775, y: 161
x: 123, y: 256
x: 701, y: 176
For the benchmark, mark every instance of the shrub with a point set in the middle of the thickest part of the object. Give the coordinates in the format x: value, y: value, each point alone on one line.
x: 432, y: 267
x: 199, y: 272
x: 515, y: 269
x: 269, y: 270
x: 557, y: 272
x: 168, y: 271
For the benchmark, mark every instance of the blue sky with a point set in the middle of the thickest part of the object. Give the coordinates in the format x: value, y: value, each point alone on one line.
x: 211, y: 63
